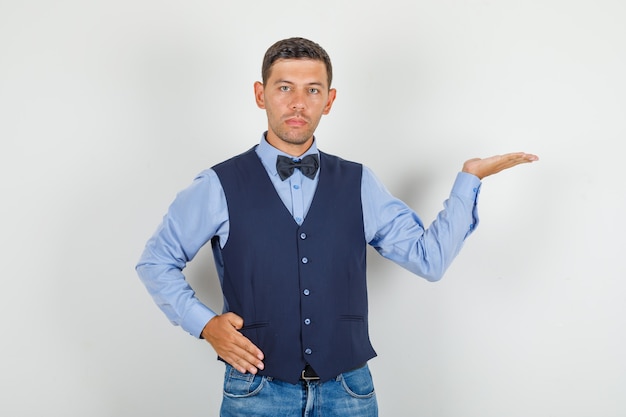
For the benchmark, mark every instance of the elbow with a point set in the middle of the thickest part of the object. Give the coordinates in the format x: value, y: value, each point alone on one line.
x: 431, y: 272
x: 434, y: 266
x: 434, y: 277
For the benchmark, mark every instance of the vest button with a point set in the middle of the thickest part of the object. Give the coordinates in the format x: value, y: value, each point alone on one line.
x: 306, y: 291
x: 303, y: 236
x: 305, y: 260
x: 308, y: 351
x: 307, y: 321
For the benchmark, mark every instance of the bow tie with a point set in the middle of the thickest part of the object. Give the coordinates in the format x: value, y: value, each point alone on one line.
x: 307, y: 165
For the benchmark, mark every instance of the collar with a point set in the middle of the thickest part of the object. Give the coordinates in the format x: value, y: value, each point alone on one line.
x: 267, y: 153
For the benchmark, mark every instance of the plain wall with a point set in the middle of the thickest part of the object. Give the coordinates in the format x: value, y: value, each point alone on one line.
x: 109, y: 108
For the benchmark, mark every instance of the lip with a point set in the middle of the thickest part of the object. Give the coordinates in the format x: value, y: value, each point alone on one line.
x: 296, y: 121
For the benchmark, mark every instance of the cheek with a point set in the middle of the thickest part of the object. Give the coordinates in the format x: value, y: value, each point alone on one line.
x: 274, y: 103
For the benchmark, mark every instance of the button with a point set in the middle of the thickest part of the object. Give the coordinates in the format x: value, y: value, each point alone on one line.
x: 299, y: 219
x: 305, y: 260
x: 302, y: 235
x: 297, y: 187
x: 307, y: 321
x: 306, y: 291
x: 308, y: 351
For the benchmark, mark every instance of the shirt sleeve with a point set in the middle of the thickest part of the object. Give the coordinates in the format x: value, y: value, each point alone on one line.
x: 398, y: 234
x: 196, y: 215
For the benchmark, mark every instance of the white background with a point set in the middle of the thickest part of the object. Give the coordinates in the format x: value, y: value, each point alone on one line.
x: 108, y: 108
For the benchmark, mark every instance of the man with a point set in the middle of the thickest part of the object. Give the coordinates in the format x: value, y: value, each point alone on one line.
x: 289, y: 226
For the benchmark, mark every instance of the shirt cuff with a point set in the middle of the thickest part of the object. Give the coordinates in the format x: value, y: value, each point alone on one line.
x: 466, y: 186
x: 196, y: 318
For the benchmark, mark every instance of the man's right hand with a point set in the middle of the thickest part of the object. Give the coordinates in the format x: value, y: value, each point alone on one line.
x: 222, y: 332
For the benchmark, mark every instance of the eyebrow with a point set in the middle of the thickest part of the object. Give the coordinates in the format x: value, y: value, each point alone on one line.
x: 313, y: 83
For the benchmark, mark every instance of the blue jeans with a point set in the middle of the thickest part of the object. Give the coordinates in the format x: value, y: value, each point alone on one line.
x: 349, y: 394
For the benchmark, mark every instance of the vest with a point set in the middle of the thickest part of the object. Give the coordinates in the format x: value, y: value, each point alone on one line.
x: 300, y: 289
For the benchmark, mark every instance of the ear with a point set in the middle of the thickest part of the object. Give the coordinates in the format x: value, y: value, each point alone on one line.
x: 332, y: 94
x: 259, y: 94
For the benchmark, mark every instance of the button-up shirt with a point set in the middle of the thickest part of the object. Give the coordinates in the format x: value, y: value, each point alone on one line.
x: 200, y: 212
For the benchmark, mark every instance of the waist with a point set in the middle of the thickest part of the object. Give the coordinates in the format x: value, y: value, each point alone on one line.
x: 309, y: 374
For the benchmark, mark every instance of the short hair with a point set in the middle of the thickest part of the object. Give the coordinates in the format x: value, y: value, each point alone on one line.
x: 295, y: 48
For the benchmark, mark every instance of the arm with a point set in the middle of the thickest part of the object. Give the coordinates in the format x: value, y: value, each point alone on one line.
x: 190, y: 222
x: 398, y: 233
x: 197, y: 214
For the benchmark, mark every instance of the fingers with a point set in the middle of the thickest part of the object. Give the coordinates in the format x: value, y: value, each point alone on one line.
x: 233, y: 347
x: 242, y: 358
x: 510, y: 160
x: 516, y: 158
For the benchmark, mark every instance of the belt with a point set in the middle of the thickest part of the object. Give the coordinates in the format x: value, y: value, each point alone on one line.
x: 308, y: 374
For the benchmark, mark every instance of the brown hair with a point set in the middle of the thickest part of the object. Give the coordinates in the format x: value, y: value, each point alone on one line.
x: 295, y: 48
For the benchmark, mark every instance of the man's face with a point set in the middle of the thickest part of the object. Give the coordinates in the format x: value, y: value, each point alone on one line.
x: 295, y: 96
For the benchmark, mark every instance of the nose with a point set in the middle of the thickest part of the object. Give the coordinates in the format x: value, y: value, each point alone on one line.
x: 297, y: 102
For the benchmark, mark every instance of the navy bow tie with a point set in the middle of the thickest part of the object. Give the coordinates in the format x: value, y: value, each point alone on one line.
x: 307, y: 165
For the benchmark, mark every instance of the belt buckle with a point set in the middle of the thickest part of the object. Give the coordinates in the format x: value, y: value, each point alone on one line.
x: 308, y: 378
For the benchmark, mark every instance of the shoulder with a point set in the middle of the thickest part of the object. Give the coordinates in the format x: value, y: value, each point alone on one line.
x: 235, y: 160
x: 336, y: 160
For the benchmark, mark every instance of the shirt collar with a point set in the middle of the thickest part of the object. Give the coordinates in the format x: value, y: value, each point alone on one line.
x: 267, y: 153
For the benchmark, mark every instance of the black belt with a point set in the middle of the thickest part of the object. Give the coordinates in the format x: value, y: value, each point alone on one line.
x: 308, y: 374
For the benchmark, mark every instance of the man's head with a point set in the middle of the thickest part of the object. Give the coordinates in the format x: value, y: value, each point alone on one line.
x: 295, y: 48
x: 295, y: 93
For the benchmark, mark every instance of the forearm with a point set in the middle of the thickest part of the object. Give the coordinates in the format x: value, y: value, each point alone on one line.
x: 171, y: 293
x: 428, y: 252
x: 431, y: 252
x: 196, y: 215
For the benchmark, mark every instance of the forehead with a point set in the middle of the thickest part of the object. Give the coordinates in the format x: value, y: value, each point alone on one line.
x: 298, y: 70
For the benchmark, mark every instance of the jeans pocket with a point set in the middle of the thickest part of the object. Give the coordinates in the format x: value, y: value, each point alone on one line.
x: 358, y: 383
x: 238, y: 385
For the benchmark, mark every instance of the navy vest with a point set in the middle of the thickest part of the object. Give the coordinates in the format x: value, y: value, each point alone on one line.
x: 301, y: 290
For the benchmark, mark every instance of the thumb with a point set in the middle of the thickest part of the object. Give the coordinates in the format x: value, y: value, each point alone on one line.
x: 235, y: 320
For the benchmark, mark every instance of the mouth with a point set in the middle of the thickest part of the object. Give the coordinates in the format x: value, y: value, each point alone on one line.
x: 296, y: 121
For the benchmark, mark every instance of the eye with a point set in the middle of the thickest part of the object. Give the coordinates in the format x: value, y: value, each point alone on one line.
x: 314, y: 90
x: 284, y: 88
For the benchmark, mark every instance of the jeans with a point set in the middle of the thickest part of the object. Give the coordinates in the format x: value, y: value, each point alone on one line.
x: 349, y: 394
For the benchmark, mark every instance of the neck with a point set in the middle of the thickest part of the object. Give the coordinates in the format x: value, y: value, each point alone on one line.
x: 292, y: 149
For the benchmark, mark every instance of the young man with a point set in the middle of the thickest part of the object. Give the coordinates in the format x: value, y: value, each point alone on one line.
x: 289, y: 226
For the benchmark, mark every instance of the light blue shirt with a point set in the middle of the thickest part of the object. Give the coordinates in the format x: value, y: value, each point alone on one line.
x: 200, y: 212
